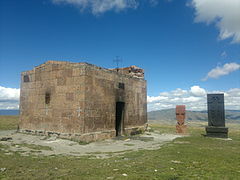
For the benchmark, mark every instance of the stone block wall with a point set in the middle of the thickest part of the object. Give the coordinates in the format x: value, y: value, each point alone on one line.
x: 79, y: 100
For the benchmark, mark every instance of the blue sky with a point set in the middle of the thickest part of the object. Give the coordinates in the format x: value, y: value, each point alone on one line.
x: 180, y: 44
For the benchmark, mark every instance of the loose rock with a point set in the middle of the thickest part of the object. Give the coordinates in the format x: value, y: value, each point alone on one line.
x: 6, y: 139
x: 3, y: 169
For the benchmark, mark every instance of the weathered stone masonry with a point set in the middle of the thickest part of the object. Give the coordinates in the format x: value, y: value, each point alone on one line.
x: 82, y: 101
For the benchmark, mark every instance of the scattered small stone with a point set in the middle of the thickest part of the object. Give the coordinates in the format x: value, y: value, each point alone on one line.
x: 148, y: 129
x: 52, y: 138
x: 125, y: 175
x: 56, y: 168
x: 17, y: 146
x: 225, y: 139
x: 127, y: 140
x: 115, y: 169
x: 43, y: 138
x: 6, y: 139
x: 172, y: 168
x: 155, y: 170
x: 109, y: 177
x: 72, y: 144
x: 176, y: 162
x: 181, y: 142
x: 3, y: 169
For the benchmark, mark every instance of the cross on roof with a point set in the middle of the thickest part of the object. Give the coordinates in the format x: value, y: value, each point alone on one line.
x: 117, y: 60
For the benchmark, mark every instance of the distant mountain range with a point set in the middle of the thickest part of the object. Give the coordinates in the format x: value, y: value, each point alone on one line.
x: 9, y: 112
x: 169, y: 115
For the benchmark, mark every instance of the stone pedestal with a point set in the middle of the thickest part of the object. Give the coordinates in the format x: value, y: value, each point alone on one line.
x: 220, y: 132
x: 181, y: 129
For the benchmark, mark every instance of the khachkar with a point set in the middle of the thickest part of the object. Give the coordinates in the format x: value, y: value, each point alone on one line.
x: 216, y: 116
x: 180, y: 116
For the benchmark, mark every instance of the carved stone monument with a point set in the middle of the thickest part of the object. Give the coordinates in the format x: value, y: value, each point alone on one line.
x: 180, y: 116
x: 216, y: 116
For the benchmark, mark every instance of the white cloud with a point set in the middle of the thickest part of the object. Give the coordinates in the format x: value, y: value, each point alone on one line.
x: 197, y: 91
x: 225, y: 14
x: 9, y: 98
x: 190, y: 99
x: 158, y: 98
x: 100, y: 6
x: 222, y: 71
x: 234, y: 92
x: 195, y: 99
x: 179, y: 92
x: 9, y: 93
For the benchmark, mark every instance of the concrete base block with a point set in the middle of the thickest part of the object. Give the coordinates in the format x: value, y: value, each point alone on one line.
x: 220, y: 132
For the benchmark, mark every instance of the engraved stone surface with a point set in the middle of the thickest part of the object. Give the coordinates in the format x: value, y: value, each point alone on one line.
x: 180, y: 116
x: 216, y: 116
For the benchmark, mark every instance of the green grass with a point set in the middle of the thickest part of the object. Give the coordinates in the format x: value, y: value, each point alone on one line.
x: 190, y: 157
x: 8, y: 122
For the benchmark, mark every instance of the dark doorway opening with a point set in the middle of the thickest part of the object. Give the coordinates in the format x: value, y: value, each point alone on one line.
x: 119, y: 117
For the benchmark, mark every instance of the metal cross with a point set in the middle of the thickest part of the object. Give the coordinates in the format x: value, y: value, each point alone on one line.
x: 117, y: 61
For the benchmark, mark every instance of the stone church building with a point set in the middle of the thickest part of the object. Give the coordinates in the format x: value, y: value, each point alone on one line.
x: 82, y: 101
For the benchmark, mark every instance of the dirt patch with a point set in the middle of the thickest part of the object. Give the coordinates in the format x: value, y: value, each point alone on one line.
x: 49, y: 146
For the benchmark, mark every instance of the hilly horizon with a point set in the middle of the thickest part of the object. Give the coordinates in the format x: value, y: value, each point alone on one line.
x: 169, y: 115
x: 166, y: 115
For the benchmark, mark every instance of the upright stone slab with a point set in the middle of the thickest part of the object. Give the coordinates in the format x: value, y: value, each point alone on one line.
x: 180, y: 116
x: 216, y: 116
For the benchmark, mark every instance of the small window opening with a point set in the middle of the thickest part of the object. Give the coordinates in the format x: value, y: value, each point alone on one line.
x: 47, y: 98
x: 121, y: 86
x: 26, y: 78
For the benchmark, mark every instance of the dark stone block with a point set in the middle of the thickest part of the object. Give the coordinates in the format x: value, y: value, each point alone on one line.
x: 216, y: 116
x: 216, y: 113
x: 213, y: 129
x: 220, y: 132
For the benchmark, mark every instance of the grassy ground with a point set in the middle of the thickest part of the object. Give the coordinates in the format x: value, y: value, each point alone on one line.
x: 8, y: 122
x: 191, y: 157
